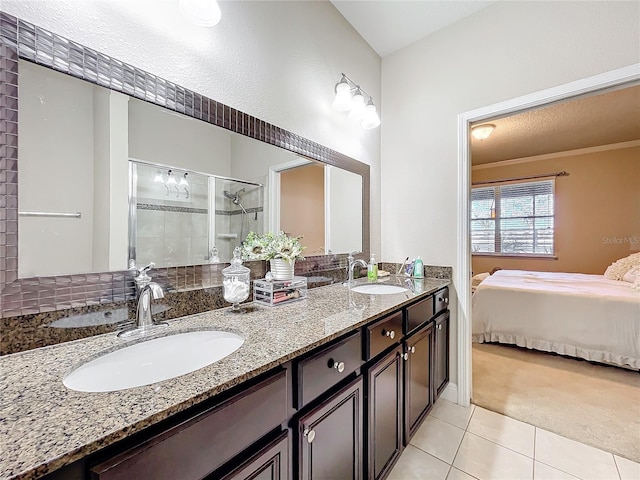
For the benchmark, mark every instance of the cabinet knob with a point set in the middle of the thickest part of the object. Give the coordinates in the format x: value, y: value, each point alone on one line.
x: 413, y: 349
x: 405, y: 356
x: 310, y: 434
x: 444, y: 299
x: 389, y: 333
x: 440, y: 327
x: 339, y: 366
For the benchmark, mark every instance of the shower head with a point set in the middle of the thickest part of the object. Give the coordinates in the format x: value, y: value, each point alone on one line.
x: 235, y: 198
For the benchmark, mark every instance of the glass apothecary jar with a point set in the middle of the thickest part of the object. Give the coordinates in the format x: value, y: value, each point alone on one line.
x: 236, y: 282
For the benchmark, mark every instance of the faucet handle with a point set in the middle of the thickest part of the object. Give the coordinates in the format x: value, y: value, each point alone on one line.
x: 142, y: 278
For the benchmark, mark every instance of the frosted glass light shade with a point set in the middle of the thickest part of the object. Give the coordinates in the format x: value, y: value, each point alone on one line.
x: 171, y: 179
x: 158, y: 178
x: 204, y: 13
x: 371, y: 118
x: 482, y: 132
x: 183, y: 181
x: 357, y: 106
x: 342, y: 102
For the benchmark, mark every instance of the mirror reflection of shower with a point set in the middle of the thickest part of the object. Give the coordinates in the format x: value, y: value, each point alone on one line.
x: 239, y: 210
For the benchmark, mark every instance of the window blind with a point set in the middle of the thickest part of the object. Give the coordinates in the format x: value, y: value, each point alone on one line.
x: 514, y: 218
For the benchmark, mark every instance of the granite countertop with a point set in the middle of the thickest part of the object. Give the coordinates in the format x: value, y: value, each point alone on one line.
x: 44, y: 425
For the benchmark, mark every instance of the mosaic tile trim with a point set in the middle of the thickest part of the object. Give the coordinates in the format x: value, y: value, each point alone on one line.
x: 21, y: 39
x: 239, y: 212
x: 168, y: 208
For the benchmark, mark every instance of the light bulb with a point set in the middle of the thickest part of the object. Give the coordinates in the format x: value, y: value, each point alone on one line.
x: 204, y: 13
x: 342, y: 102
x: 357, y: 106
x: 371, y: 118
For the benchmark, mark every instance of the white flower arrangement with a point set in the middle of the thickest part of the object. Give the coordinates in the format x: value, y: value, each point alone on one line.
x: 269, y: 246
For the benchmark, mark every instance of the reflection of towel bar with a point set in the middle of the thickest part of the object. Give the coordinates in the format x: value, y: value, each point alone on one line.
x: 227, y: 235
x: 50, y: 214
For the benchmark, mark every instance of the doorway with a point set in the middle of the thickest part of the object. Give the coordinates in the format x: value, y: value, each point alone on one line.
x: 462, y: 277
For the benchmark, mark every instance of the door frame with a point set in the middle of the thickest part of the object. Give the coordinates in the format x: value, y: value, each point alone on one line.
x: 462, y: 278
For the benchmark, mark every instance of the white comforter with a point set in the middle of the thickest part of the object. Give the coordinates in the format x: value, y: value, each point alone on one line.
x: 585, y: 316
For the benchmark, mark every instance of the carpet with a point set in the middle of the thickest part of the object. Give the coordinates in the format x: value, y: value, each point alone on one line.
x: 594, y: 404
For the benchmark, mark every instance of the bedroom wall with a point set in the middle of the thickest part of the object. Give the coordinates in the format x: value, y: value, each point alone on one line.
x: 597, y: 211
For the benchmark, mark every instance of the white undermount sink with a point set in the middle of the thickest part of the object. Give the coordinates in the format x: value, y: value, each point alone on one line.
x: 153, y: 361
x: 378, y: 289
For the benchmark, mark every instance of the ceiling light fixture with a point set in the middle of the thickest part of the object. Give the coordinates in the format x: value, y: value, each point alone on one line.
x: 482, y: 132
x: 351, y: 98
x: 204, y: 13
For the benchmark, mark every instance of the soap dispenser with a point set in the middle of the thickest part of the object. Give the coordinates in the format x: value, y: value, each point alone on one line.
x: 372, y: 269
x: 418, y: 268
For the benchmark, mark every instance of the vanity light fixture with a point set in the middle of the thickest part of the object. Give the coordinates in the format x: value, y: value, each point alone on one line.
x: 204, y: 13
x: 351, y: 98
x: 158, y: 178
x: 482, y: 132
x: 171, y: 180
x: 183, y: 181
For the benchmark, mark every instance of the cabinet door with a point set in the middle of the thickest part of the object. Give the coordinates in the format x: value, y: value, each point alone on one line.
x: 384, y: 414
x: 441, y: 356
x: 269, y: 463
x: 329, y: 437
x: 417, y: 378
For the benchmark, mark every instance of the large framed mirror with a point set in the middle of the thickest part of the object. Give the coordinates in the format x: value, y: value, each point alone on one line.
x: 86, y: 120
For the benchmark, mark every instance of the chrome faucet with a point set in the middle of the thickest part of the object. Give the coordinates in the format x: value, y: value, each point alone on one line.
x: 352, y: 263
x: 148, y: 291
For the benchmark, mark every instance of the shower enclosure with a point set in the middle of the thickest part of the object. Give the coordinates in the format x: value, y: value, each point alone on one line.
x: 179, y: 217
x: 238, y: 211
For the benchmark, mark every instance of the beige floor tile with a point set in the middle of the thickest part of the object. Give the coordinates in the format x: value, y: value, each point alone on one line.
x: 455, y: 474
x: 505, y: 431
x: 545, y: 472
x: 486, y: 460
x: 628, y: 470
x: 573, y: 457
x: 438, y: 438
x: 414, y: 464
x: 452, y: 413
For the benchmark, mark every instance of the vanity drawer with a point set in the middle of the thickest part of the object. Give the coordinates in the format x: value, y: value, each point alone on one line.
x: 199, y: 445
x: 325, y: 368
x: 441, y: 300
x: 418, y: 314
x: 382, y: 334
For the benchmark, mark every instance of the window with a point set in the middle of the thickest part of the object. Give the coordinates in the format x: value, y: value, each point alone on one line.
x: 513, y: 218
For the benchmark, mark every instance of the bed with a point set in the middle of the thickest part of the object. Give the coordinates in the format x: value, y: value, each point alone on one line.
x: 584, y: 316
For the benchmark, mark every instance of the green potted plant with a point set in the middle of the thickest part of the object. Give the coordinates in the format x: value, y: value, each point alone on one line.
x: 280, y: 249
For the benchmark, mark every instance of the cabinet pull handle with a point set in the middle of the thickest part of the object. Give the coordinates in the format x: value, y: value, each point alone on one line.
x: 339, y: 366
x: 413, y: 349
x: 389, y: 333
x: 405, y: 356
x: 310, y: 434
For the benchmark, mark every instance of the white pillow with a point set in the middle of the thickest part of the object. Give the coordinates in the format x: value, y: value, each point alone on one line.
x: 633, y: 275
x: 617, y: 269
x: 477, y: 279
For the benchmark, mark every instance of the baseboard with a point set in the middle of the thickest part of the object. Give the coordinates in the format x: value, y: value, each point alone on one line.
x: 450, y: 393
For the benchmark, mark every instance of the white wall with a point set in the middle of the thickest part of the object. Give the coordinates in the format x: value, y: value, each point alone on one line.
x: 184, y: 142
x: 60, y: 113
x: 506, y: 50
x: 276, y: 60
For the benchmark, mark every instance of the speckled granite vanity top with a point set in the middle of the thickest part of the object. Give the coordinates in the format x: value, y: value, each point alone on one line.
x: 44, y: 425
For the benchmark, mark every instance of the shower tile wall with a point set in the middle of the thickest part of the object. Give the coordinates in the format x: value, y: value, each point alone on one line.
x: 172, y: 222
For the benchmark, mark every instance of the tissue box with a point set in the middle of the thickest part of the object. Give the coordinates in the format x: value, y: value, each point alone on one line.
x: 279, y: 292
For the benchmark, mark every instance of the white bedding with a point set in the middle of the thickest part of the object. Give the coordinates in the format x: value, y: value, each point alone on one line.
x: 585, y: 316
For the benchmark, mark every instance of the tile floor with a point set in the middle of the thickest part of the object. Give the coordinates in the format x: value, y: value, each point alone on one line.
x: 458, y: 443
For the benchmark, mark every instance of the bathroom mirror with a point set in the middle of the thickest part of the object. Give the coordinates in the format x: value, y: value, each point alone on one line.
x: 106, y: 178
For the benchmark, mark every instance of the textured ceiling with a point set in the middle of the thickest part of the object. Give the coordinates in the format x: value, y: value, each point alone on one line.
x: 388, y: 25
x: 586, y: 121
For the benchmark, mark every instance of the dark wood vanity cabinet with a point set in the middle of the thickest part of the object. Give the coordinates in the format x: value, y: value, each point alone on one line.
x: 441, y: 354
x: 269, y: 463
x: 418, y: 398
x: 329, y: 437
x: 384, y: 413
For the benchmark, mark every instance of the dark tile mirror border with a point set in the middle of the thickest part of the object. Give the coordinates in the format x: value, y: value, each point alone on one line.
x: 30, y: 296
